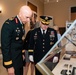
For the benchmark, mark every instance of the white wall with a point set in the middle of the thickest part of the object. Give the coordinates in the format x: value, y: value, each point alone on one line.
x: 60, y: 11
x: 10, y: 8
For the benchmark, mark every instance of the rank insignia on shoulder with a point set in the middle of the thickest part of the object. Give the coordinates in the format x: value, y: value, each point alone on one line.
x: 11, y: 18
x: 7, y: 22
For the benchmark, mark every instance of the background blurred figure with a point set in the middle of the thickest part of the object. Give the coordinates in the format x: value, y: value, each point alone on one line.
x: 12, y: 41
x: 58, y: 34
x: 26, y: 44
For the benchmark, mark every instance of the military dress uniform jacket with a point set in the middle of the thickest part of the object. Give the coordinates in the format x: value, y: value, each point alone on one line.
x: 40, y: 45
x: 11, y: 43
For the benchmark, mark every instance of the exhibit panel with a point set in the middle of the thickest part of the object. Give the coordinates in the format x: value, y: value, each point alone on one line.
x: 52, y: 64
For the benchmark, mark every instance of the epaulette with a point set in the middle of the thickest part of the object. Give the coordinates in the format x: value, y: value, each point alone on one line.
x: 7, y: 22
x: 32, y: 29
x: 11, y: 18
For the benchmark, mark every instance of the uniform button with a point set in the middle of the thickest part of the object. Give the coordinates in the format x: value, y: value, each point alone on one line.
x: 17, y: 38
x: 51, y: 43
x: 43, y: 43
x: 43, y: 40
x: 16, y: 30
x: 18, y: 34
x: 26, y: 40
x: 43, y: 47
x: 43, y: 50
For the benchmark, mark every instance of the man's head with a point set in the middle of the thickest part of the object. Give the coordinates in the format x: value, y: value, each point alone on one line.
x: 25, y: 14
x: 45, y: 21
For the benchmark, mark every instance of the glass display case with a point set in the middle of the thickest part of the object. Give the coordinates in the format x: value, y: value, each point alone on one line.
x: 53, y: 57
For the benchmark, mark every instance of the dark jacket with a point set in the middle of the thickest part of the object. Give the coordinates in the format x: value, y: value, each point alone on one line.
x: 39, y: 46
x: 11, y: 43
x: 26, y: 40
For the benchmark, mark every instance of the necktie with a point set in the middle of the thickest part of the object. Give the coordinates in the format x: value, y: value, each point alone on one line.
x: 43, y: 33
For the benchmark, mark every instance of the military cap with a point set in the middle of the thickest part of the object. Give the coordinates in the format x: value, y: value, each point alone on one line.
x: 45, y: 20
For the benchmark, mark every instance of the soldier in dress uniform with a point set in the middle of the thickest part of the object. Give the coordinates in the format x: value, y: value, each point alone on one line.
x: 41, y: 40
x: 11, y: 41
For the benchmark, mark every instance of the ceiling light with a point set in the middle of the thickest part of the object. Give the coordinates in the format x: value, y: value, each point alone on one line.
x: 57, y: 0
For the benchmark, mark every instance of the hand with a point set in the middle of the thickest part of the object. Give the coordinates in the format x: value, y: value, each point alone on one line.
x: 31, y: 58
x: 11, y: 71
x: 55, y: 59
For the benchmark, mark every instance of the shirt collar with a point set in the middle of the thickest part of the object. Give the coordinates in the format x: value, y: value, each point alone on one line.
x: 19, y: 19
x: 42, y: 30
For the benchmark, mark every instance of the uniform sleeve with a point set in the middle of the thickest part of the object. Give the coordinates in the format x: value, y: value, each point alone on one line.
x: 26, y: 42
x: 57, y: 54
x: 5, y: 44
x: 31, y: 44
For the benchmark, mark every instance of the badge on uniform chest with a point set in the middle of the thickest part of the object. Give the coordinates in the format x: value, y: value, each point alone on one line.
x: 17, y: 33
x: 52, y: 35
x: 35, y: 36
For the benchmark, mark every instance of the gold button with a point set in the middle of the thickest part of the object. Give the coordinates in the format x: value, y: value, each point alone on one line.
x: 43, y: 50
x: 43, y: 40
x: 43, y: 47
x: 43, y: 43
x: 51, y: 43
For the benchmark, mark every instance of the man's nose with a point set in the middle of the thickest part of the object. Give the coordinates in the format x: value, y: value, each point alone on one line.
x: 28, y: 19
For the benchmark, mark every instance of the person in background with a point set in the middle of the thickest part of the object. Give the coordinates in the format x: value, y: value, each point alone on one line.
x: 58, y: 34
x: 12, y: 41
x: 26, y: 44
x: 41, y: 40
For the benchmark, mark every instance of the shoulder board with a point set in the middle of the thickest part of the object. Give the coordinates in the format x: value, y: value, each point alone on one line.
x: 11, y: 18
x: 32, y: 29
x: 7, y: 22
